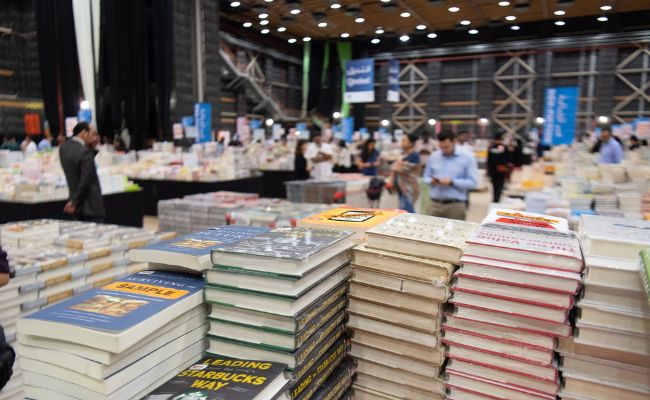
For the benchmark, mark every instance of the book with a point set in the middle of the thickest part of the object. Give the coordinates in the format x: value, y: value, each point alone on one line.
x: 410, y: 335
x: 223, y: 378
x: 613, y: 237
x: 436, y: 272
x: 624, y: 319
x: 400, y: 376
x: 364, y: 393
x: 193, y: 251
x: 398, y: 284
x: 428, y: 323
x: 522, y: 275
x: 544, y: 249
x: 120, y: 314
x: 592, y: 388
x: 534, y: 326
x: 570, y: 345
x: 608, y: 370
x: 274, y: 283
x: 285, y: 251
x: 399, y: 391
x: 392, y: 299
x: 616, y: 273
x: 460, y: 394
x: 379, y: 356
x: 339, y: 382
x: 615, y: 297
x: 644, y: 271
x: 481, y: 386
x: 527, y: 219
x: 399, y: 347
x: 349, y: 218
x: 612, y: 338
x: 272, y: 303
x: 422, y: 236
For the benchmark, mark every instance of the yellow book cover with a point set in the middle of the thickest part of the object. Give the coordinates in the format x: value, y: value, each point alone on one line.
x: 349, y: 218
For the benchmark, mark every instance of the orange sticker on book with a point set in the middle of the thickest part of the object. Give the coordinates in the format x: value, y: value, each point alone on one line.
x: 147, y: 290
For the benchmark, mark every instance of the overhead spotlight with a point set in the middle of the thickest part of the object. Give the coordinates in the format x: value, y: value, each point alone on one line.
x: 247, y: 24
x: 405, y: 14
x: 292, y: 40
x: 432, y: 121
x: 504, y: 3
x: 264, y: 22
x: 269, y: 122
x: 385, y: 122
x: 375, y: 41
x: 606, y: 7
x: 453, y: 9
x: 282, y: 29
x: 539, y: 121
x: 515, y: 27
x: 306, y: 39
x: 385, y: 1
x: 335, y: 6
x: 294, y: 11
x: 336, y: 115
x: 483, y: 121
x: 263, y: 16
x: 432, y: 35
x: 421, y: 27
x: 473, y: 31
x: 379, y: 31
x: 602, y: 18
x: 559, y: 13
x: 345, y: 35
x: 322, y: 24
x: 404, y: 38
x: 359, y: 20
x: 510, y: 18
x: 264, y: 31
x: 465, y: 22
x: 84, y: 104
x: 560, y: 23
x: 268, y: 1
x: 235, y: 4
x: 603, y: 119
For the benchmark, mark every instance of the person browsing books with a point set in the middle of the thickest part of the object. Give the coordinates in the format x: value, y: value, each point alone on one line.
x: 611, y: 151
x: 300, y: 168
x: 451, y: 173
x: 320, y: 154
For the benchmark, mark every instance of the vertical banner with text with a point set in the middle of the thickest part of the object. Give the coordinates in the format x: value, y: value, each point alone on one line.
x: 203, y: 122
x: 393, y: 81
x: 560, y: 114
x: 360, y: 81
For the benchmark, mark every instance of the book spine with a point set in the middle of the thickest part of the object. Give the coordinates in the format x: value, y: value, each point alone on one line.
x: 319, y: 321
x: 516, y: 299
x: 320, y: 305
x: 645, y: 271
x: 339, y: 382
x: 302, y: 369
x: 310, y: 344
x: 312, y: 381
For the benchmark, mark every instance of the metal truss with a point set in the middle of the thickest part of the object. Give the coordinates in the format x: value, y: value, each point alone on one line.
x: 639, y: 95
x: 410, y: 115
x: 516, y: 79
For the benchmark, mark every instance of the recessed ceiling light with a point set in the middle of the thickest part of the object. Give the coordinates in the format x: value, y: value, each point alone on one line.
x: 405, y: 14
x: 264, y: 22
x: 602, y: 18
x: 264, y: 31
x: 473, y: 31
x: 465, y: 22
x: 345, y: 35
x: 263, y: 16
x: 515, y: 27
x: 306, y: 39
x: 606, y: 7
x: 432, y: 35
x: 335, y: 6
x: 432, y: 121
x: 375, y: 41
x: 322, y: 24
x: 247, y: 24
x: 560, y: 23
x: 421, y: 27
x: 385, y: 1
x: 504, y: 3
x: 385, y: 122
x: 559, y: 12
x: 295, y: 11
x: 453, y: 9
x: 404, y: 38
x: 379, y: 31
x: 282, y: 29
x: 292, y: 40
x: 360, y: 20
x: 235, y: 4
x: 511, y: 18
x: 268, y: 1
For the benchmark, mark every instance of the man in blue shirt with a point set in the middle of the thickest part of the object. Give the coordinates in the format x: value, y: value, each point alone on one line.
x: 611, y: 151
x: 451, y: 173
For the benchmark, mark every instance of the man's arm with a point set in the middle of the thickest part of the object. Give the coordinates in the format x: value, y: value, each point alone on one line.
x: 85, y: 178
x: 470, y: 178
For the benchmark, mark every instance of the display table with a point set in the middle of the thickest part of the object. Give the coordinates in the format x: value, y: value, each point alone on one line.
x: 126, y: 208
x: 273, y: 183
x: 155, y: 190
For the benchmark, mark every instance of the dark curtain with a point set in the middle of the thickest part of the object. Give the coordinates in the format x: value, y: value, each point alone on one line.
x: 315, y: 74
x: 58, y: 63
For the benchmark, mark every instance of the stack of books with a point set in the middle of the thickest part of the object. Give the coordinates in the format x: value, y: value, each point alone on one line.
x: 119, y: 341
x: 399, y: 286
x: 280, y: 296
x: 609, y: 356
x: 512, y: 296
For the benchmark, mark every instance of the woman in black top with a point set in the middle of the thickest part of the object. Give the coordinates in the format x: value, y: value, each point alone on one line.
x: 300, y: 162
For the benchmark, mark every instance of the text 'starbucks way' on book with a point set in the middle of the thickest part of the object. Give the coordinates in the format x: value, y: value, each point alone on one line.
x: 400, y: 284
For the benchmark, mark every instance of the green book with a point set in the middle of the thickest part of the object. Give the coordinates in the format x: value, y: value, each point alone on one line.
x: 645, y: 271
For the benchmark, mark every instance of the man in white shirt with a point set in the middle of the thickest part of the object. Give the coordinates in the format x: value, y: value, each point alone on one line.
x: 28, y: 146
x: 320, y: 155
x: 464, y: 142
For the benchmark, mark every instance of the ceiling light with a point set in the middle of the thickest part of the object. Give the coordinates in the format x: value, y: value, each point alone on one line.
x: 606, y: 7
x: 515, y: 27
x: 322, y: 24
x: 504, y: 3
x: 269, y: 122
x: 263, y: 16
x: 465, y: 22
x: 264, y: 22
x: 336, y: 115
x: 268, y: 1
x: 292, y: 40
x: 421, y: 27
x: 432, y: 121
x: 295, y: 11
x: 247, y: 24
x: 335, y: 6
x: 483, y: 121
x: 375, y: 41
x: 235, y: 4
x: 379, y: 31
x: 385, y: 122
x: 405, y: 14
x: 282, y: 29
x: 559, y: 12
x: 345, y: 35
x: 473, y: 31
x: 264, y: 31
x: 511, y: 18
x: 404, y: 38
x: 306, y: 39
x: 453, y: 9
x: 560, y: 23
x: 602, y: 18
x: 360, y: 20
x: 539, y: 120
x: 385, y: 1
x: 603, y: 119
x: 432, y: 35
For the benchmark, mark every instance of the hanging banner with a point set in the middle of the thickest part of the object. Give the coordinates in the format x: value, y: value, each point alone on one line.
x: 360, y: 81
x: 560, y: 114
x: 393, y: 81
x: 347, y: 128
x: 203, y: 122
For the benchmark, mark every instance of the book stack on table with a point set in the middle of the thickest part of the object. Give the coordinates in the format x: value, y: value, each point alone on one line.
x: 399, y: 286
x: 118, y: 341
x: 280, y: 296
x: 512, y: 296
x: 609, y: 355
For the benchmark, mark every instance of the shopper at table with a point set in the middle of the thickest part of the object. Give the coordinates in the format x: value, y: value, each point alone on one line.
x: 405, y: 173
x: 321, y: 156
x: 300, y: 168
x: 28, y: 146
x: 611, y: 151
x: 46, y: 142
x: 7, y: 354
x: 464, y: 142
x: 78, y: 161
x: 451, y: 173
x: 497, y: 166
x: 368, y: 160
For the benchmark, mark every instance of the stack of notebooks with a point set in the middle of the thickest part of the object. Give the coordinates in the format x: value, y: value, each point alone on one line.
x: 512, y: 296
x: 399, y: 286
x: 119, y: 341
x: 280, y: 296
x: 609, y: 356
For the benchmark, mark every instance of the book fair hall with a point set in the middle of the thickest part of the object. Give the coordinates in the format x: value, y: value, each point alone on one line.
x: 324, y: 200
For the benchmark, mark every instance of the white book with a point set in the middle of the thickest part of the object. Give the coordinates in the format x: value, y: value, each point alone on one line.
x: 399, y: 284
x: 393, y: 360
x: 625, y: 319
x: 528, y: 325
x: 613, y: 371
x: 615, y: 297
x: 612, y: 338
x: 594, y: 388
x: 405, y: 334
x: 619, y: 273
x: 614, y: 237
x: 527, y: 219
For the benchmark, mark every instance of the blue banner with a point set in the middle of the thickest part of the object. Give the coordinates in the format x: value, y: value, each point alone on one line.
x: 360, y: 81
x: 560, y: 114
x: 393, y: 81
x: 348, y: 128
x: 85, y: 115
x: 203, y: 120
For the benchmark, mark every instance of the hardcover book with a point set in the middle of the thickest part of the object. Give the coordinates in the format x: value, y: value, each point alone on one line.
x: 399, y: 376
x: 398, y: 391
x: 398, y: 284
x: 349, y: 218
x: 527, y: 219
x: 613, y: 237
x: 497, y: 390
x: 398, y: 347
x: 338, y: 383
x: 528, y: 325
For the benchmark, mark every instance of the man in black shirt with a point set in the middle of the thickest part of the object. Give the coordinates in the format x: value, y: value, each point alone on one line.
x: 497, y: 166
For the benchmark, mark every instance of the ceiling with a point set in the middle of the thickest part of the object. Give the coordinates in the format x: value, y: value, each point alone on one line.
x: 434, y: 15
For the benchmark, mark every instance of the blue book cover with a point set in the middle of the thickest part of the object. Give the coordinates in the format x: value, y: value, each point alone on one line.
x: 125, y: 303
x: 202, y: 243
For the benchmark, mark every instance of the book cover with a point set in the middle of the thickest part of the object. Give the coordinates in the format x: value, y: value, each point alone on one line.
x: 285, y: 243
x: 220, y: 378
x: 527, y: 219
x: 349, y: 218
x: 123, y: 304
x: 615, y: 230
x: 645, y: 271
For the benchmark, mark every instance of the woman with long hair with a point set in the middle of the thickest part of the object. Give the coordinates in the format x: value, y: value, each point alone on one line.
x: 369, y: 158
x: 300, y: 168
